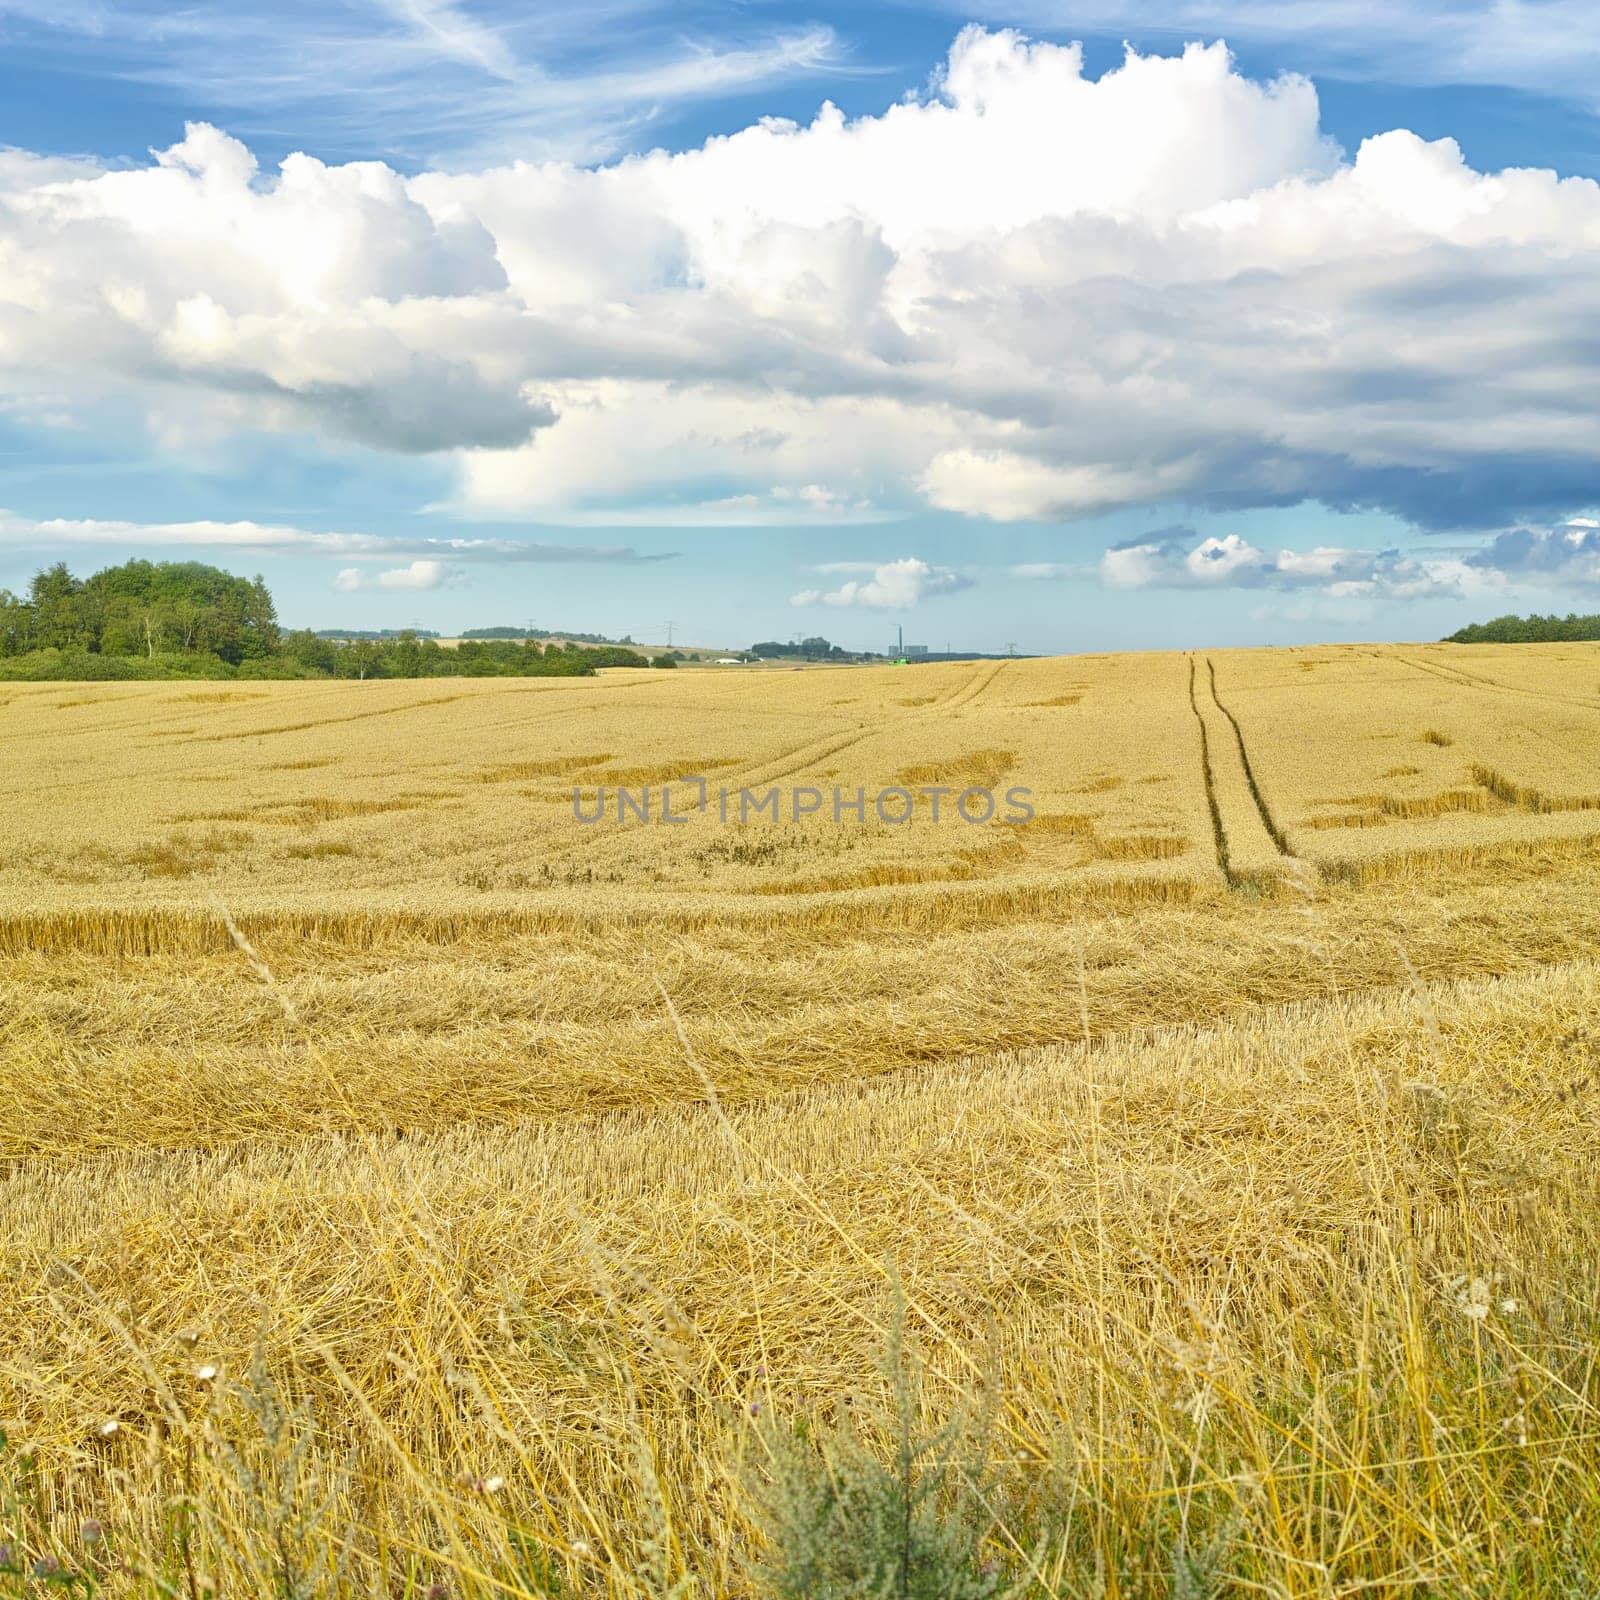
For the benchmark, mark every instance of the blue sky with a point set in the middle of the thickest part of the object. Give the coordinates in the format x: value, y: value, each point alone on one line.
x: 1036, y: 346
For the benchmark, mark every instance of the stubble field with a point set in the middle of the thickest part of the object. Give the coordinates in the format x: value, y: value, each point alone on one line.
x: 406, y: 1183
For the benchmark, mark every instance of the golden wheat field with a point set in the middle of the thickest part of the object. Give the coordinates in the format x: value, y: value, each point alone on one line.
x: 409, y: 1188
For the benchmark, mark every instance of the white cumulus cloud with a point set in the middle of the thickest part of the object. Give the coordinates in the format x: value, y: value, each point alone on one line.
x: 415, y: 576
x: 1179, y: 559
x: 1027, y: 294
x: 892, y: 586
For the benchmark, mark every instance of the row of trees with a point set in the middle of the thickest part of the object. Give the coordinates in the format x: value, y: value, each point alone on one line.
x: 816, y: 648
x: 410, y: 655
x: 1529, y: 630
x: 407, y: 655
x: 375, y: 633
x: 142, y: 608
x: 185, y: 619
x: 543, y: 633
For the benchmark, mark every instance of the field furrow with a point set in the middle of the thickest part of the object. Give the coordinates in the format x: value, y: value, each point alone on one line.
x: 1249, y: 852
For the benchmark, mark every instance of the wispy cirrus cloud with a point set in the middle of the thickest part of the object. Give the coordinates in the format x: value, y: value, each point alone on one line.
x: 1046, y: 571
x: 430, y: 80
x: 256, y: 538
x: 456, y: 35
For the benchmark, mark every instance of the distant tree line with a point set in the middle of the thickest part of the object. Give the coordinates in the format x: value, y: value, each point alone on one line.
x: 816, y: 648
x: 376, y: 633
x: 543, y: 633
x: 407, y: 655
x: 1529, y: 630
x: 182, y: 619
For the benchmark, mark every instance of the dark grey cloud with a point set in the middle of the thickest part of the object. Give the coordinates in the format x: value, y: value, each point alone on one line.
x: 1569, y: 553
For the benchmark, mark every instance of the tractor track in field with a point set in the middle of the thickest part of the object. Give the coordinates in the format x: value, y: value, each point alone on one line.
x: 954, y: 696
x: 980, y: 685
x: 1472, y: 680
x: 1268, y: 821
x: 789, y: 762
x: 1229, y: 776
x: 1219, y: 834
x: 786, y: 763
x: 324, y: 722
x: 973, y: 690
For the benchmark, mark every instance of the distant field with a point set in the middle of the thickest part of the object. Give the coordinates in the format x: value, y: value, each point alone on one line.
x: 1151, y: 776
x: 571, y: 1154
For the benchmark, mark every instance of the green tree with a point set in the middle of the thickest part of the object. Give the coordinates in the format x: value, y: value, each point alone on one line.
x: 364, y: 659
x: 403, y: 656
x: 305, y: 649
x: 16, y: 624
x: 261, y: 631
x: 59, y: 620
